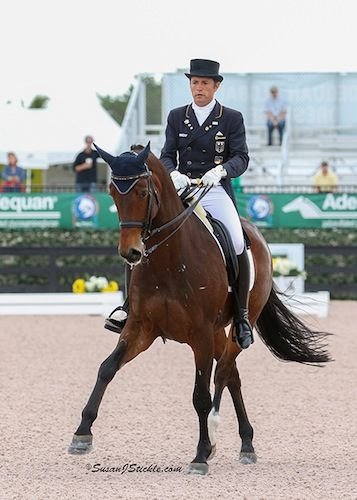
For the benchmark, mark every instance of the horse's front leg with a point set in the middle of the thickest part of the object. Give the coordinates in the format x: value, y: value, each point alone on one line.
x: 202, y: 402
x: 128, y: 347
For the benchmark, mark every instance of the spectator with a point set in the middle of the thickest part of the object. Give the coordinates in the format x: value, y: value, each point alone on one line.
x: 85, y: 167
x: 325, y: 181
x: 275, y: 111
x: 13, y: 177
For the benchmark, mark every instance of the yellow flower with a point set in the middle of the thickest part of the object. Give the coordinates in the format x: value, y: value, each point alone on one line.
x: 111, y: 287
x: 78, y: 286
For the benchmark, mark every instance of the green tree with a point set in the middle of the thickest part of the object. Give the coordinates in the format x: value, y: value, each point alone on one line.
x: 116, y: 105
x: 153, y: 101
x: 39, y: 102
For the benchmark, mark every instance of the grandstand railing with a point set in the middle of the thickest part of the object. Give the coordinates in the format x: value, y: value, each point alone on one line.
x: 258, y: 188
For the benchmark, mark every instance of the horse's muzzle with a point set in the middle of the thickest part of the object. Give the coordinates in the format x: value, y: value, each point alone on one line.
x: 132, y: 256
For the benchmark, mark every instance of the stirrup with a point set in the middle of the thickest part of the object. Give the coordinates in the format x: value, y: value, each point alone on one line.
x: 117, y: 323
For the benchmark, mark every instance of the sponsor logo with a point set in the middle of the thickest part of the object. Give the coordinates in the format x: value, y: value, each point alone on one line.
x: 259, y: 207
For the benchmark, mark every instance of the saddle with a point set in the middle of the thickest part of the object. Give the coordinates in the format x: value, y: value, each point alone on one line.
x: 223, y: 239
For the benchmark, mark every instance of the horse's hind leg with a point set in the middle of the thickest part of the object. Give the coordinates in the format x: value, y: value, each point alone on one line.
x: 226, y: 375
x: 247, y: 453
x: 124, y: 351
x: 202, y: 403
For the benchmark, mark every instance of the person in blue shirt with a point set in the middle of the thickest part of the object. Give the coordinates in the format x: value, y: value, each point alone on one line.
x: 275, y: 111
x: 13, y: 176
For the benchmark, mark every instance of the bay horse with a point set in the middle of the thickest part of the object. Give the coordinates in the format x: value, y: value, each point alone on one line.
x: 179, y: 291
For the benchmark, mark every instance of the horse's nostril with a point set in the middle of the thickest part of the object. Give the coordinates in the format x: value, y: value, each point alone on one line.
x: 133, y: 255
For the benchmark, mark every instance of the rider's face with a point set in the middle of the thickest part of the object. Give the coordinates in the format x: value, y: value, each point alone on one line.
x: 203, y: 89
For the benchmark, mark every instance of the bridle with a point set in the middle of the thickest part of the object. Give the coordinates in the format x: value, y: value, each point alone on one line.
x: 152, y: 194
x: 147, y: 231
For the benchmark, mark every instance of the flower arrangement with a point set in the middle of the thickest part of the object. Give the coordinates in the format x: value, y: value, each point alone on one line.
x: 282, y: 266
x: 94, y: 284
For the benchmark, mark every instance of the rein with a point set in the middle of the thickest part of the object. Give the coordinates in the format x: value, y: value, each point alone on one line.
x: 183, y: 215
x: 148, y: 232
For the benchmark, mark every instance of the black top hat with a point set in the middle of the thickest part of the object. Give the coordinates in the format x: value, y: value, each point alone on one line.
x: 205, y: 68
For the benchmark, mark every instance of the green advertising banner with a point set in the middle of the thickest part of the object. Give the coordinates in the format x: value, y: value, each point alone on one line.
x: 97, y: 210
x: 330, y: 210
x: 60, y: 210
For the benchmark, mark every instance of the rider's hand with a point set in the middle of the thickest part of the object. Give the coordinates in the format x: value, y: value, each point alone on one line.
x: 181, y: 181
x: 213, y: 176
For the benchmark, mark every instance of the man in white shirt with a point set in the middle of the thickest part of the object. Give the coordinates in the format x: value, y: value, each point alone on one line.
x: 275, y: 111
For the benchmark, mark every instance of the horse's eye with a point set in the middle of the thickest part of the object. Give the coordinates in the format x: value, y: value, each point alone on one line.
x: 143, y: 193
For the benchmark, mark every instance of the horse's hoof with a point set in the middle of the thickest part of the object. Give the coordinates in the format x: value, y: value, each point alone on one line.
x: 246, y: 457
x: 196, y: 468
x: 213, y: 452
x: 81, y: 445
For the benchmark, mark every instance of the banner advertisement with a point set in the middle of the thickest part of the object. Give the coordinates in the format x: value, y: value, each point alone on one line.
x: 328, y: 210
x: 59, y: 211
x: 97, y: 210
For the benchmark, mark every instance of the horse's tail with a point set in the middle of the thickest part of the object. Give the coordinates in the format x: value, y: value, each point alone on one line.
x: 287, y: 337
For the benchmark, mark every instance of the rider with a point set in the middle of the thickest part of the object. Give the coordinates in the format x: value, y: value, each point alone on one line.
x: 207, y: 140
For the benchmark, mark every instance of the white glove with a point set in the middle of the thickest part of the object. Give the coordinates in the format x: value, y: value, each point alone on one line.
x: 181, y: 181
x: 213, y: 176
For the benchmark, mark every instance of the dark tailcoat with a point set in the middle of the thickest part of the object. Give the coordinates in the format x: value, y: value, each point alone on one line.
x: 196, y: 149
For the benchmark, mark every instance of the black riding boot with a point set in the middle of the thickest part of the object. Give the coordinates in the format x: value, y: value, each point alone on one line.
x: 244, y: 334
x: 117, y: 318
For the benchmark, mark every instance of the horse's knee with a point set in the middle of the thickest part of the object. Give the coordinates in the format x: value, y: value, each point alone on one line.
x: 111, y: 365
x: 201, y: 396
x: 202, y: 401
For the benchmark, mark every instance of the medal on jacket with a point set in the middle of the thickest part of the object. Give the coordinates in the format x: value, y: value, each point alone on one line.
x: 218, y: 160
x: 219, y: 142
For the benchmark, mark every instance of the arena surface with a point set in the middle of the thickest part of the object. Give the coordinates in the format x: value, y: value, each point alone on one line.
x: 304, y: 418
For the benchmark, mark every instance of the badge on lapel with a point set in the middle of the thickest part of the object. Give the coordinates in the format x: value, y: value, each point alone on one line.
x: 219, y: 142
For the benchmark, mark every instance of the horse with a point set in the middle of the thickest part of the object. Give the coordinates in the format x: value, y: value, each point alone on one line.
x: 179, y: 291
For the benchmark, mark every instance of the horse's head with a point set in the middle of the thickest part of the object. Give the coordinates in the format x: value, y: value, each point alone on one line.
x: 133, y: 192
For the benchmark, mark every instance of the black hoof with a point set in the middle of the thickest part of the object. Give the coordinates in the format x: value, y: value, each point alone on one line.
x: 81, y: 445
x: 196, y: 468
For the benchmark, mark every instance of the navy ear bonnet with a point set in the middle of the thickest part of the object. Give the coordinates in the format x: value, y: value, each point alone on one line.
x: 127, y: 168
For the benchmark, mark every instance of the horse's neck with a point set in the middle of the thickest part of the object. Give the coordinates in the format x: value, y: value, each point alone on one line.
x: 170, y: 209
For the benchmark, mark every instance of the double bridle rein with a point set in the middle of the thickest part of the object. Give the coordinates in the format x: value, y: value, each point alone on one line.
x: 147, y: 230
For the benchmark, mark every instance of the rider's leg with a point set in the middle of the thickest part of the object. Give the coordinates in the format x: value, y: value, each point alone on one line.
x: 116, y: 320
x: 218, y: 203
x: 244, y: 332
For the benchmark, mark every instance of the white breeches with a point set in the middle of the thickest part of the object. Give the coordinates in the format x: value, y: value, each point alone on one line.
x: 221, y: 207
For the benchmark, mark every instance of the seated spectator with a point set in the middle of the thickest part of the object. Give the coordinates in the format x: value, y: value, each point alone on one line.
x: 13, y: 177
x: 275, y: 111
x: 325, y: 181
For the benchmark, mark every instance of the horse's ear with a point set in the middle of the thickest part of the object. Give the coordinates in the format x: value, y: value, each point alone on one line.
x: 107, y: 157
x: 143, y: 155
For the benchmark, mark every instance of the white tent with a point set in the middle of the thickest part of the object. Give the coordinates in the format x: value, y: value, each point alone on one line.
x: 55, y: 135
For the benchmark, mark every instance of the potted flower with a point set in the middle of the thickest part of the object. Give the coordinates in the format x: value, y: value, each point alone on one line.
x: 94, y: 284
x: 287, y: 276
